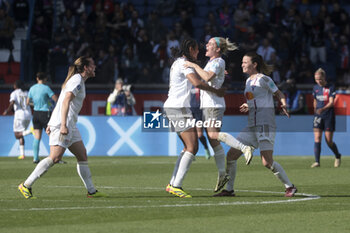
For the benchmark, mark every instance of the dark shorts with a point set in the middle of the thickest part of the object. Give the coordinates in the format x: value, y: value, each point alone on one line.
x: 197, y: 113
x: 40, y: 119
x: 325, y: 124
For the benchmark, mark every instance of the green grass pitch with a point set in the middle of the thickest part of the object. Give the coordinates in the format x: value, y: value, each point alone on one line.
x: 138, y: 202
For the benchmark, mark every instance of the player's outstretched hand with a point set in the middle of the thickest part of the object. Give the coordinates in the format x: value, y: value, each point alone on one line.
x: 284, y: 109
x: 244, y: 108
x: 48, y: 131
x: 189, y: 64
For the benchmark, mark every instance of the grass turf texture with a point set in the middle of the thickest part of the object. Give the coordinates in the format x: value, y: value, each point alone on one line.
x: 138, y: 202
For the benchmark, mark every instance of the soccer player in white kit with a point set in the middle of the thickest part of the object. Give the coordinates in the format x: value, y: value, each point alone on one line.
x: 214, y: 106
x: 23, y: 114
x: 261, y: 129
x: 63, y: 131
x: 177, y: 109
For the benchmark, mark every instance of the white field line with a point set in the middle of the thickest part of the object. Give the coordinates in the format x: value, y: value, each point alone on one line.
x: 306, y: 197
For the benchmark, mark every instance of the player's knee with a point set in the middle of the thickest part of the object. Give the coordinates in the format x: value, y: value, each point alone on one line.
x: 318, y: 138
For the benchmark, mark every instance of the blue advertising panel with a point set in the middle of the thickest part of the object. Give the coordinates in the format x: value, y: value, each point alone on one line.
x: 127, y: 136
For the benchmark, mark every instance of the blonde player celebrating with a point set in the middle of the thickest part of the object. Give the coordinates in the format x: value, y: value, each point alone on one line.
x: 214, y: 106
x: 178, y: 109
x: 23, y: 114
x: 260, y: 132
x: 63, y: 131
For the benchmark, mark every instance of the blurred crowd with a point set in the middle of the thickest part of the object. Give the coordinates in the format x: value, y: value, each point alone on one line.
x: 133, y: 39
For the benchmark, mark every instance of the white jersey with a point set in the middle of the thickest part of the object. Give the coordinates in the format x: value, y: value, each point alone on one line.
x: 259, y: 94
x: 209, y: 99
x: 75, y: 85
x: 179, y: 94
x: 22, y: 110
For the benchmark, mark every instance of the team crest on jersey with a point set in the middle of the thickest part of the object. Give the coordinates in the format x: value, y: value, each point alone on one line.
x: 272, y: 84
x: 249, y: 95
x: 79, y: 87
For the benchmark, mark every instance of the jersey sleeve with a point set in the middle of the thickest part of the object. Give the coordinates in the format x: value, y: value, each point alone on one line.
x: 216, y: 66
x: 332, y: 92
x: 12, y: 97
x: 50, y: 93
x: 269, y: 84
x: 74, y: 85
x: 314, y: 92
x: 187, y: 71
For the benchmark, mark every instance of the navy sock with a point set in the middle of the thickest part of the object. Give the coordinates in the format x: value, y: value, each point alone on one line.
x: 334, y: 148
x: 204, y: 141
x: 317, y: 151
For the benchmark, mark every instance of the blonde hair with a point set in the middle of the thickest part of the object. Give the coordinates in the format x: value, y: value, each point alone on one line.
x: 76, y: 68
x: 261, y: 67
x: 225, y: 45
x: 321, y: 72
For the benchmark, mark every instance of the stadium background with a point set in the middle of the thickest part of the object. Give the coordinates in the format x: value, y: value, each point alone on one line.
x: 21, y: 62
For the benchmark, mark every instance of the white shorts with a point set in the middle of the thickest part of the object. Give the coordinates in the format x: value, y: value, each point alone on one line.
x: 19, y: 125
x: 178, y: 115
x: 261, y: 136
x: 56, y: 139
x: 215, y: 114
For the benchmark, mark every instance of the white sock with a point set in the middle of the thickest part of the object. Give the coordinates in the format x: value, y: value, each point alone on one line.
x: 26, y: 132
x: 231, y: 171
x: 279, y: 172
x: 184, y: 166
x: 39, y: 170
x: 21, y: 150
x: 176, y: 168
x: 219, y: 155
x: 231, y: 141
x: 85, y: 175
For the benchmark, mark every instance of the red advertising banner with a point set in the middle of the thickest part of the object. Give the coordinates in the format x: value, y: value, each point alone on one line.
x: 342, y: 101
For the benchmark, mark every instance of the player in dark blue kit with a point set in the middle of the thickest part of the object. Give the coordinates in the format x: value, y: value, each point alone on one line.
x: 324, y: 120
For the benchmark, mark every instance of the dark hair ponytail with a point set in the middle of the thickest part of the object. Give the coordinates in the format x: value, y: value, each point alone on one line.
x: 261, y: 66
x: 184, y: 50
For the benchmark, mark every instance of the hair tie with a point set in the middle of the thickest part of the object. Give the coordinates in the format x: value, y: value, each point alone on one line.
x: 217, y: 40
